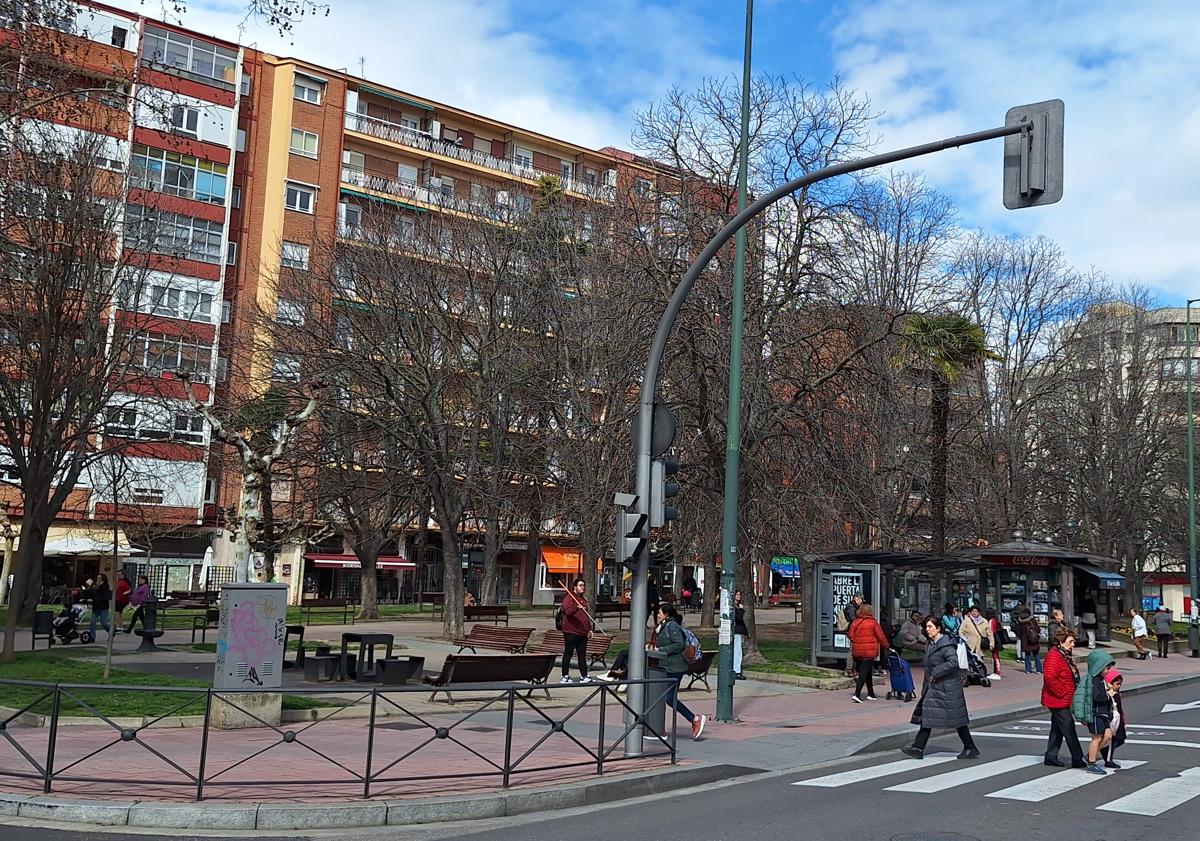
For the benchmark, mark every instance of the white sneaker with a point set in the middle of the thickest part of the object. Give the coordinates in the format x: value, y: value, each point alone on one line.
x: 856, y: 699
x: 565, y: 679
x: 993, y: 677
x: 585, y: 680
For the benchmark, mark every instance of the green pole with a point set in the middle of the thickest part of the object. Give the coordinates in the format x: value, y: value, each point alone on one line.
x: 733, y: 440
x: 1191, y: 457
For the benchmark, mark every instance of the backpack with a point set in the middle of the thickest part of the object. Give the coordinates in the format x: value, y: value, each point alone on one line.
x: 692, y: 650
x: 558, y: 619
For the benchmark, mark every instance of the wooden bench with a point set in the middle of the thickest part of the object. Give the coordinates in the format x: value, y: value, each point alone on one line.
x: 698, y: 671
x: 512, y: 640
x: 597, y: 647
x: 437, y: 600
x: 463, y: 669
x: 495, y: 612
x: 620, y: 609
x: 327, y: 607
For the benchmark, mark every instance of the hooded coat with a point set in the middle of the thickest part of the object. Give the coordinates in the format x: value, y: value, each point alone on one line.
x: 943, y: 706
x: 1083, y: 704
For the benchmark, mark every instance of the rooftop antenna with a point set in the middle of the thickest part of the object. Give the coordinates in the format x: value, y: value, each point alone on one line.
x: 362, y: 66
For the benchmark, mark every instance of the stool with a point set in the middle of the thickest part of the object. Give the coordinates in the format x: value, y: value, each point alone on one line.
x: 396, y: 671
x: 294, y: 631
x: 321, y: 668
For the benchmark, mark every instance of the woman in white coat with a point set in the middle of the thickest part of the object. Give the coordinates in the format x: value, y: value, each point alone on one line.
x: 1140, y: 632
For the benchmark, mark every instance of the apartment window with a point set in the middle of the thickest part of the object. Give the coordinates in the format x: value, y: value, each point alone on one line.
x: 405, y: 229
x: 300, y: 197
x: 222, y: 368
x: 226, y: 311
x: 344, y: 332
x: 146, y: 495
x: 406, y: 173
x: 349, y: 220
x: 120, y: 421
x: 642, y: 187
x: 294, y: 255
x: 179, y: 175
x: 178, y: 303
x: 290, y: 312
x: 343, y: 277
x: 523, y: 157
x: 147, y: 229
x: 410, y: 123
x: 356, y: 161
x: 160, y: 354
x: 304, y: 143
x: 119, y: 34
x: 285, y: 367
x: 235, y: 198
x: 241, y: 140
x: 567, y: 170
x: 445, y: 186
x: 307, y: 90
x: 196, y: 58
x: 210, y: 491
x: 185, y: 119
x: 231, y: 253
x: 189, y: 427
x: 479, y: 193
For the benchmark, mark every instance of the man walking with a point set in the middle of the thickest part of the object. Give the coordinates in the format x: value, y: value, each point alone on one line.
x: 576, y: 630
x: 1162, y: 630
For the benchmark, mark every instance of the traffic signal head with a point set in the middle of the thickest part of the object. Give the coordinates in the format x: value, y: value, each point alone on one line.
x: 631, y: 537
x: 662, y: 488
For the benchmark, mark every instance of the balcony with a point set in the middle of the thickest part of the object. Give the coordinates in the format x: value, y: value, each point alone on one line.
x: 414, y: 192
x: 425, y: 142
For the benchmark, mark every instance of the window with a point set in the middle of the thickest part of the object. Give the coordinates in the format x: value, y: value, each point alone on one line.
x: 241, y: 140
x: 343, y: 277
x: 179, y: 175
x: 343, y: 332
x: 119, y: 34
x: 410, y: 123
x: 189, y: 427
x: 210, y: 491
x: 147, y: 229
x: 304, y: 143
x: 405, y: 229
x: 191, y: 57
x: 185, y: 119
x: 642, y: 187
x: 300, y: 197
x: 523, y: 157
x: 406, y: 174
x: 286, y: 367
x: 294, y: 255
x: 356, y: 161
x: 349, y: 220
x: 120, y: 421
x: 231, y: 253
x: 446, y: 187
x: 226, y: 311
x: 567, y: 170
x: 147, y: 496
x: 235, y: 198
x: 159, y: 355
x: 222, y: 368
x: 307, y: 90
x: 290, y: 312
x: 178, y: 303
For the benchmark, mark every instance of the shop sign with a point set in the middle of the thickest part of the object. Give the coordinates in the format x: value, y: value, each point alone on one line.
x: 1021, y: 561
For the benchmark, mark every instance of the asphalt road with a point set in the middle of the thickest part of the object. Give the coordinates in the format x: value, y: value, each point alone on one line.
x: 1005, y: 794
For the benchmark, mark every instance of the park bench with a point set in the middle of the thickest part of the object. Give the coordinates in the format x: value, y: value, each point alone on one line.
x: 486, y: 611
x: 618, y: 609
x: 597, y: 647
x: 210, y: 620
x: 463, y: 669
x: 327, y: 607
x: 437, y: 600
x: 698, y: 671
x: 512, y: 640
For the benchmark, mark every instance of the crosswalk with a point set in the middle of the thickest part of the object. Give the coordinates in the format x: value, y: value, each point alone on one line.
x: 936, y: 774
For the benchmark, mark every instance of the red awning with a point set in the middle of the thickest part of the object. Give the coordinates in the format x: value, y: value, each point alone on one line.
x: 351, y: 562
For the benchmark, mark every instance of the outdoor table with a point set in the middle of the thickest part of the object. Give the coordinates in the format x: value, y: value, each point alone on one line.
x: 365, y: 659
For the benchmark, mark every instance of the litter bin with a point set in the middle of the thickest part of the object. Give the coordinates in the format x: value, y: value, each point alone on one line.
x: 654, y: 699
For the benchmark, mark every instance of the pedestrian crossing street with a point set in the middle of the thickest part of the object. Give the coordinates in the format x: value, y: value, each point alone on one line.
x: 935, y: 774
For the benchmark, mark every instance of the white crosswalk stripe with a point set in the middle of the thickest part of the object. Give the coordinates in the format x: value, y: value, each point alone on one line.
x: 1158, y: 797
x: 1043, y: 788
x: 967, y: 774
x: 874, y: 772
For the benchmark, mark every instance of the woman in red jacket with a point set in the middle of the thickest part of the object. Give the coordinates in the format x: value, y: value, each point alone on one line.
x: 867, y: 639
x: 1060, y: 676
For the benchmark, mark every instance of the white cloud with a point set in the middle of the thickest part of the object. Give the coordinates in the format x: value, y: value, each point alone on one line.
x: 1127, y: 72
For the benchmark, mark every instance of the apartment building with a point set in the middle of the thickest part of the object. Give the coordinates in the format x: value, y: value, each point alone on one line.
x: 239, y: 164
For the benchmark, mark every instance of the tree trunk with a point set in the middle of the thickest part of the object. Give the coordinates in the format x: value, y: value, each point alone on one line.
x: 533, y: 557
x: 492, y: 545
x: 27, y: 582
x: 250, y: 513
x: 266, y: 531
x: 368, y: 607
x: 452, y: 584
x: 744, y: 581
x: 939, y: 421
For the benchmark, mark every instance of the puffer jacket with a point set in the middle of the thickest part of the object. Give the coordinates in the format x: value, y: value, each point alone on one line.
x: 1059, y: 679
x: 943, y: 704
x: 1085, y: 705
x: 867, y: 639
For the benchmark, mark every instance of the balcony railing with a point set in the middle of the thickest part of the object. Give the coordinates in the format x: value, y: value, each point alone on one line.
x: 415, y: 192
x: 427, y: 143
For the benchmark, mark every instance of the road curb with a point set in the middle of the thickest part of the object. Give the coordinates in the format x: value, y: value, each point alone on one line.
x: 356, y: 814
x: 903, y: 736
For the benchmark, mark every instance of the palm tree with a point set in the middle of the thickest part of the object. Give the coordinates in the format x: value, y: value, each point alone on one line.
x: 948, y: 345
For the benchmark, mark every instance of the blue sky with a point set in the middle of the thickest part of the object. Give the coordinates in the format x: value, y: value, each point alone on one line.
x: 1127, y: 71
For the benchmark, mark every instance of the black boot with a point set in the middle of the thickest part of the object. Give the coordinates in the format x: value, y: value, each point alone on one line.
x: 913, y: 751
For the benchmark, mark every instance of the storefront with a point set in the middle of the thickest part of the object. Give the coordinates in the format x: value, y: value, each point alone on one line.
x: 339, y: 576
x: 559, y: 565
x: 786, y: 576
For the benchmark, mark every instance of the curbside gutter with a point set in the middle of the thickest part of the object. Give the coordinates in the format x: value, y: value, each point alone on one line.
x: 903, y: 736
x: 359, y: 813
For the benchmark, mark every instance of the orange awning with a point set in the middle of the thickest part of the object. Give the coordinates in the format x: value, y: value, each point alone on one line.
x: 560, y: 560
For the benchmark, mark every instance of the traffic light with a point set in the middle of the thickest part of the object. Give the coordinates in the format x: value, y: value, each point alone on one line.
x: 631, y: 542
x: 662, y: 488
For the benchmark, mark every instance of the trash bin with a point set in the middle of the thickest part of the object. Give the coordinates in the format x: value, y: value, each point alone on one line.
x: 654, y: 699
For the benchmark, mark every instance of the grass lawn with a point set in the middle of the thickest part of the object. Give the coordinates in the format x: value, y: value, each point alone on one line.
x: 66, y: 667
x: 211, y: 647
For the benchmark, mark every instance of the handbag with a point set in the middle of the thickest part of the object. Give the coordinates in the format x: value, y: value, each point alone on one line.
x: 963, y: 662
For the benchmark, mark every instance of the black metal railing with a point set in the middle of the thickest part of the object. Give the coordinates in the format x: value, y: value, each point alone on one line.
x: 362, y: 737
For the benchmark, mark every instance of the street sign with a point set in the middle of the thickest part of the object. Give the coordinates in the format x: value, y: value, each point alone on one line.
x: 662, y: 430
x: 1033, y: 159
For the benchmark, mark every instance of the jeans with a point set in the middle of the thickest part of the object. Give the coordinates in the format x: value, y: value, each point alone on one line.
x: 863, y: 668
x: 100, y: 617
x: 737, y: 654
x: 1033, y: 661
x: 1062, y: 728
x: 673, y: 696
x: 964, y: 733
x: 1164, y: 644
x: 574, y: 643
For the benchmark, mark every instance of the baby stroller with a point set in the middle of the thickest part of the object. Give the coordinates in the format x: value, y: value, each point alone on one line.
x: 901, y: 678
x: 977, y: 671
x: 66, y: 624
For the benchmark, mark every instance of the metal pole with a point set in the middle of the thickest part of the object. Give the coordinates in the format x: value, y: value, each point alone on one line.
x: 637, y: 608
x: 1193, y: 631
x: 733, y: 425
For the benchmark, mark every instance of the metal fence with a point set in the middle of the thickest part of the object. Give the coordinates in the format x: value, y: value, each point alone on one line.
x: 370, y: 741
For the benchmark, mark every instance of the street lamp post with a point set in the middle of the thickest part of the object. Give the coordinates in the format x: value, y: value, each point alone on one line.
x: 1072, y: 530
x: 1194, y: 629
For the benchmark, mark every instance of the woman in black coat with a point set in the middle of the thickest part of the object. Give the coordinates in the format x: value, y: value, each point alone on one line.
x: 943, y: 705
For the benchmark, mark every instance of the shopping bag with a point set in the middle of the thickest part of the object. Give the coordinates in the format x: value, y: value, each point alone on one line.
x: 963, y: 662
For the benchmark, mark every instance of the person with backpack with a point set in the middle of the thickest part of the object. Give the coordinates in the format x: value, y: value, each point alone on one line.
x: 1093, y: 705
x: 951, y: 619
x: 671, y: 644
x: 867, y: 639
x: 576, y: 630
x: 1031, y: 643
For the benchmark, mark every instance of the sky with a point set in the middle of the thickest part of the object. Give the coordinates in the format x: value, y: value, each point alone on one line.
x: 1128, y: 72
